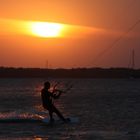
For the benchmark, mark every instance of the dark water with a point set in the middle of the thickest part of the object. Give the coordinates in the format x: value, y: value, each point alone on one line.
x: 108, y: 109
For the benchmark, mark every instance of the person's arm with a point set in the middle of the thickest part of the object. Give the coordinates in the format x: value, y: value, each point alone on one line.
x: 56, y: 94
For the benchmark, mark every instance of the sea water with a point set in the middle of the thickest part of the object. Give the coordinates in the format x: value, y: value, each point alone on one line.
x: 106, y: 109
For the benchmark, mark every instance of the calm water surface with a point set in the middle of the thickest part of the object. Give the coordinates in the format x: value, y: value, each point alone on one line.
x: 108, y: 109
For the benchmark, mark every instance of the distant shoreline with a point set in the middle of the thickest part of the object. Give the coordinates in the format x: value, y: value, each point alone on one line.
x: 6, y: 72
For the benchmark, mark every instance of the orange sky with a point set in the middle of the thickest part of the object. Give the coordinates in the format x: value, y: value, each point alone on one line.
x: 92, y: 26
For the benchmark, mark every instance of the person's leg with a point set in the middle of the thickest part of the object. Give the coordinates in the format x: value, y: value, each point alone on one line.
x: 51, y: 116
x: 58, y: 113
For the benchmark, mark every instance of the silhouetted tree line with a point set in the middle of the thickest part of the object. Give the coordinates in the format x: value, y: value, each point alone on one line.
x: 6, y: 72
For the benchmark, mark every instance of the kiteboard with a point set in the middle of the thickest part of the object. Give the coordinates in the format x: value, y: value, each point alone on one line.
x: 69, y: 120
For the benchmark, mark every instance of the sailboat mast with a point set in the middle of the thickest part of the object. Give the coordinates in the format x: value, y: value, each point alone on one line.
x: 133, y: 59
x: 47, y: 64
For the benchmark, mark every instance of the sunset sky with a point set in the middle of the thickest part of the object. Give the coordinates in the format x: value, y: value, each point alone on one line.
x: 69, y: 33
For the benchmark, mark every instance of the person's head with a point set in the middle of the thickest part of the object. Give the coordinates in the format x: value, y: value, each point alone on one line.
x: 47, y: 85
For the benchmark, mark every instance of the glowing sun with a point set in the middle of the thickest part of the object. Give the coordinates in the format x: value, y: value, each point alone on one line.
x: 47, y: 29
